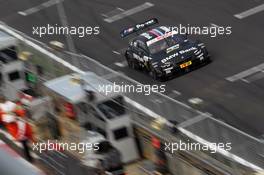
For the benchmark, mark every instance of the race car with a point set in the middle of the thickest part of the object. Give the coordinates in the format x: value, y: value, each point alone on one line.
x: 162, y: 51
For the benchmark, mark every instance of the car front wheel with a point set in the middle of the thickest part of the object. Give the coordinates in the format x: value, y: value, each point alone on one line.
x: 131, y: 63
x: 153, y: 74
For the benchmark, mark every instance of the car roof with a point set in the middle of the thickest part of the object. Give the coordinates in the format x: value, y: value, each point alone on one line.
x: 153, y: 33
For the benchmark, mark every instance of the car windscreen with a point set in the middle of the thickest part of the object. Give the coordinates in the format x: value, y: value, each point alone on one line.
x: 112, y: 108
x: 161, y: 45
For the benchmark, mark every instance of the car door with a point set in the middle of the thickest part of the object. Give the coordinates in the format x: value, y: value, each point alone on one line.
x: 136, y: 51
x: 143, y: 53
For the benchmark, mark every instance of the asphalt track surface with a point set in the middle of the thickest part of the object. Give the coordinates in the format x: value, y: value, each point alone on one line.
x: 239, y: 103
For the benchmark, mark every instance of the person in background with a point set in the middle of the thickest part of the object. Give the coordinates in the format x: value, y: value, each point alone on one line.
x: 21, y: 131
x: 6, y: 107
x: 2, y: 100
x: 24, y: 136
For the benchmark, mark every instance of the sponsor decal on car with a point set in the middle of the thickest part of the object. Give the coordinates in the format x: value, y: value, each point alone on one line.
x: 170, y: 57
x: 187, y: 50
x: 161, y: 37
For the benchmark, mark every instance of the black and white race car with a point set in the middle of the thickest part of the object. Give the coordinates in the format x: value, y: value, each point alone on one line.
x: 161, y: 51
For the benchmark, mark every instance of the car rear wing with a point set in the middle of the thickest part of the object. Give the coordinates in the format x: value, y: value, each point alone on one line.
x: 138, y: 27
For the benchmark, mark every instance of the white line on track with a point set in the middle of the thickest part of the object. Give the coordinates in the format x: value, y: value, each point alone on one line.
x: 176, y: 92
x: 245, y: 80
x: 193, y: 120
x: 121, y: 64
x: 246, y: 73
x: 250, y: 12
x: 157, y: 100
x: 212, y: 24
x: 120, y: 9
x: 256, y: 76
x: 39, y: 7
x: 113, y: 12
x: 118, y: 53
x: 195, y: 101
x: 104, y: 15
x: 129, y: 12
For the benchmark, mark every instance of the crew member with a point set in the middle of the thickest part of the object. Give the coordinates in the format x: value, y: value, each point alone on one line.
x: 6, y: 107
x: 21, y: 131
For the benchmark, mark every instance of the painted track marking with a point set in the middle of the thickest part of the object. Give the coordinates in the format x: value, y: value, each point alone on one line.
x: 115, y: 52
x: 246, y: 73
x: 39, y: 7
x: 121, y: 64
x: 129, y: 12
x: 250, y: 12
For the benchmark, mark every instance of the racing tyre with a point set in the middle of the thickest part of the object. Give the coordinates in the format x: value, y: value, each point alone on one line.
x: 131, y: 63
x: 153, y: 74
